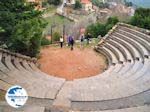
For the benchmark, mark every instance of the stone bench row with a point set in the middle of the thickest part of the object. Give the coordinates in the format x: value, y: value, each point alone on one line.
x: 136, y: 44
x: 137, y: 75
x: 121, y: 103
x: 20, y: 72
x: 144, y: 108
x: 24, y: 109
x: 136, y: 32
x: 135, y: 37
x: 119, y: 55
x: 122, y: 81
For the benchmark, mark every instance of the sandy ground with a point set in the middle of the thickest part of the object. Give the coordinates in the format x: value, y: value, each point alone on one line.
x: 70, y: 65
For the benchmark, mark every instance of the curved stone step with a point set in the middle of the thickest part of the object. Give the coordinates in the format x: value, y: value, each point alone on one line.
x: 126, y: 102
x: 122, y: 48
x: 120, y: 54
x: 143, y: 49
x: 114, y: 57
x: 144, y: 42
x: 136, y: 53
x: 138, y: 33
x: 144, y: 108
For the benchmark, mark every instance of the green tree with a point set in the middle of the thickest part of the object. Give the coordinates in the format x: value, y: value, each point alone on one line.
x: 26, y: 37
x: 141, y: 18
x: 45, y: 41
x: 12, y: 12
x: 97, y: 29
x: 54, y: 2
x: 77, y: 5
x: 112, y: 20
x: 128, y: 4
x: 22, y: 25
x: 56, y: 36
x: 100, y: 4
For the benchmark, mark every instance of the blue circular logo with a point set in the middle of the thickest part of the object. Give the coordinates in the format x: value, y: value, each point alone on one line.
x: 16, y: 96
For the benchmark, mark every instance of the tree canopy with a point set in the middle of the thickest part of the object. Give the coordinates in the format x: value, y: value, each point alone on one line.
x: 97, y: 29
x: 77, y: 5
x: 54, y: 2
x: 100, y: 4
x: 141, y: 18
x: 22, y: 24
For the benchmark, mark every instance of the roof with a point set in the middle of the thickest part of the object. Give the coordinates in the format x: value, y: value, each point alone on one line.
x: 85, y: 1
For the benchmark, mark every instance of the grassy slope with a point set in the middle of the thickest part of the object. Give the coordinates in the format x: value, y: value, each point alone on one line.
x: 54, y: 19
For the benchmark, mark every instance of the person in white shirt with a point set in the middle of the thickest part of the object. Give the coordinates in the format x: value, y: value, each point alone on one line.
x: 61, y: 41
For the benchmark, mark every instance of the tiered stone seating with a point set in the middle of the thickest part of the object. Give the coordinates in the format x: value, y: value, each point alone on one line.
x: 123, y: 87
x: 133, y: 109
x: 17, y: 71
x: 142, y: 41
x: 129, y: 77
x: 24, y: 109
x: 142, y: 33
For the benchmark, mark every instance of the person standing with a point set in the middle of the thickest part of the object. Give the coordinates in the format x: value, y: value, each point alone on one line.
x: 61, y: 41
x: 71, y: 42
x: 82, y: 39
x: 88, y: 38
x: 68, y: 40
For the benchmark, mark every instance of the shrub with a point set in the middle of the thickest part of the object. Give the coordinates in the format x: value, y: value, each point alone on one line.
x: 97, y: 29
x: 100, y: 4
x: 54, y: 2
x: 26, y: 38
x: 45, y: 41
x: 22, y: 26
x: 56, y: 36
x: 77, y: 5
x: 141, y: 18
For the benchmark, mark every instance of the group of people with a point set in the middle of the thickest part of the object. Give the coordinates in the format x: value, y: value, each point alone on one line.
x: 70, y: 40
x: 83, y: 37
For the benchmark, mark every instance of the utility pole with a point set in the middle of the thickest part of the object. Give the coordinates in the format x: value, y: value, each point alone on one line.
x: 52, y: 26
x: 64, y: 31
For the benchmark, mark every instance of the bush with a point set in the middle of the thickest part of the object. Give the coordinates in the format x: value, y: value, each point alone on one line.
x: 54, y: 2
x: 128, y: 4
x: 101, y: 29
x: 96, y: 29
x: 141, y: 18
x: 26, y: 38
x: 100, y: 4
x: 77, y: 5
x: 45, y: 41
x: 112, y: 20
x: 22, y: 26
x: 56, y: 36
x: 44, y: 4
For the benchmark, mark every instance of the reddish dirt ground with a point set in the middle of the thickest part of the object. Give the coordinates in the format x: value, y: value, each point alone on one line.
x: 71, y: 65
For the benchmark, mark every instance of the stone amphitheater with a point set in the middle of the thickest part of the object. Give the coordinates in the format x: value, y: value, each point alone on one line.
x: 123, y: 87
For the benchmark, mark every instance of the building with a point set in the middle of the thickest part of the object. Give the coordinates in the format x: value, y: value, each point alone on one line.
x: 38, y: 2
x: 69, y: 2
x: 87, y: 5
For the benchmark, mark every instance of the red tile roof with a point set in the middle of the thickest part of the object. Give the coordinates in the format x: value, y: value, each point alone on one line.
x: 85, y: 1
